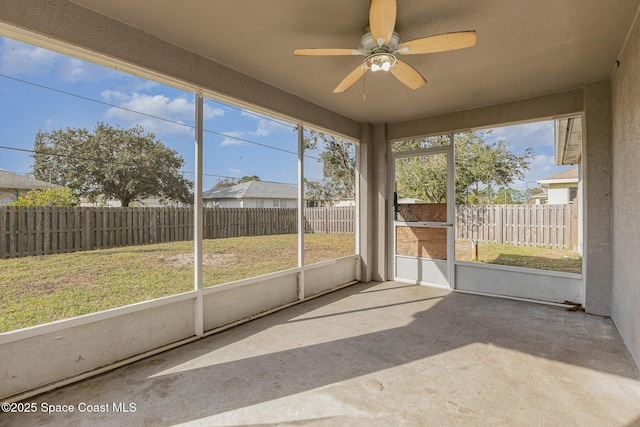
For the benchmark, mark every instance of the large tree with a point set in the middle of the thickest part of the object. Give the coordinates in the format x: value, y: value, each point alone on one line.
x: 338, y: 168
x: 122, y: 164
x: 480, y: 164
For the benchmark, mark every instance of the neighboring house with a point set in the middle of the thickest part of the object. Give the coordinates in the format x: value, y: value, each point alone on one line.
x: 566, y: 187
x: 410, y: 200
x: 13, y: 185
x: 151, y: 202
x: 253, y: 194
x: 561, y: 188
x: 343, y: 203
x: 538, y: 199
x: 329, y: 203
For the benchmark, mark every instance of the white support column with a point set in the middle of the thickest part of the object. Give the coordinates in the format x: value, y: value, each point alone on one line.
x: 357, y: 213
x: 301, y: 210
x: 451, y: 213
x: 198, y: 219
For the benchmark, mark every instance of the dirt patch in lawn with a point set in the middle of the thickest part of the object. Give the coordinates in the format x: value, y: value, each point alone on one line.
x: 208, y: 260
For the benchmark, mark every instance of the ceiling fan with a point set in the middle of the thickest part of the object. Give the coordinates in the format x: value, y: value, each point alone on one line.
x: 381, y: 44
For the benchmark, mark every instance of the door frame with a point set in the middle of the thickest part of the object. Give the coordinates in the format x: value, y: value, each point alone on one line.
x: 449, y: 150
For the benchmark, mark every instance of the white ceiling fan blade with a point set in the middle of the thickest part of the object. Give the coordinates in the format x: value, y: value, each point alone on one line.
x: 408, y: 75
x: 348, y: 81
x: 439, y: 43
x: 326, y: 52
x: 382, y: 20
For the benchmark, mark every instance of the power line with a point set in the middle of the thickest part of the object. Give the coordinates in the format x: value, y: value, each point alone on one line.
x: 261, y: 116
x: 158, y: 117
x: 47, y: 153
x: 253, y: 142
x: 232, y: 177
x: 75, y: 95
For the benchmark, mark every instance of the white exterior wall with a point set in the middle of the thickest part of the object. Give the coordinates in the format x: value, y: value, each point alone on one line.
x: 248, y: 203
x: 557, y: 195
x: 230, y: 203
x: 226, y: 203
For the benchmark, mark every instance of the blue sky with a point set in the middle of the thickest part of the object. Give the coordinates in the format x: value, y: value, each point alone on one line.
x: 44, y: 90
x: 540, y: 137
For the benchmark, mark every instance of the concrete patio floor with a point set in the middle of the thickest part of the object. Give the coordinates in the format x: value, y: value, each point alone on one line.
x: 375, y: 354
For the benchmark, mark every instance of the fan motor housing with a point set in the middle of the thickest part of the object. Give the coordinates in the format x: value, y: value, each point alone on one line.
x: 368, y: 46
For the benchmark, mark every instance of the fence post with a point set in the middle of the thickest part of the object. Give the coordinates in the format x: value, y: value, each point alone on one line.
x: 573, y: 228
x: 500, y: 231
x: 153, y: 226
x: 326, y: 220
x: 3, y: 230
x: 87, y: 230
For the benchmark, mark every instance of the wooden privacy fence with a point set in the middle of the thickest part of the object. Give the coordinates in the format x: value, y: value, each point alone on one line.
x: 52, y: 230
x: 554, y: 226
x: 330, y: 220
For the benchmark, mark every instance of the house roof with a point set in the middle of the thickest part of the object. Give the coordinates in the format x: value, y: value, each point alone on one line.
x: 524, y: 48
x: 14, y: 181
x: 568, y: 176
x: 254, y: 190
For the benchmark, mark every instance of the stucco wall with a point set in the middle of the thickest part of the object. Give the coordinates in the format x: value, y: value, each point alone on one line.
x: 594, y: 101
x: 382, y: 262
x: 626, y: 194
x: 597, y: 167
x: 365, y: 167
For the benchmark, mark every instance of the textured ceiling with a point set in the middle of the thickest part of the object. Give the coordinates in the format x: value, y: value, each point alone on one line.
x: 524, y: 48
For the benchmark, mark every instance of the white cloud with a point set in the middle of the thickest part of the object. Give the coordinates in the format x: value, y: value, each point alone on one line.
x: 176, y: 112
x: 109, y: 95
x: 74, y: 70
x: 210, y: 112
x: 139, y: 84
x: 155, y: 105
x: 535, y: 127
x: 264, y: 127
x: 541, y: 166
x: 231, y: 138
x: 542, y: 163
x: 536, y: 134
x: 18, y: 58
x: 53, y: 123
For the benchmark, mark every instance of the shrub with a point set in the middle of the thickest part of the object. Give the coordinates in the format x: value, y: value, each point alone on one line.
x: 60, y: 196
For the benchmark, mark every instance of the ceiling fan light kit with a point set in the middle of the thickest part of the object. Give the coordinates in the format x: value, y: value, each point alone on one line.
x: 381, y: 44
x: 380, y: 61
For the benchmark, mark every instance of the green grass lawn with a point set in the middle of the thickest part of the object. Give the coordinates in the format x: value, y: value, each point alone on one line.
x: 36, y: 290
x: 522, y: 256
